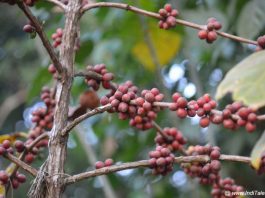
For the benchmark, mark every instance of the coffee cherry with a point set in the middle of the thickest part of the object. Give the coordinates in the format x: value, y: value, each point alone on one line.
x: 19, y: 145
x: 4, y: 177
x: 204, y: 122
x: 99, y: 164
x: 6, y: 144
x: 108, y: 162
x: 202, y: 34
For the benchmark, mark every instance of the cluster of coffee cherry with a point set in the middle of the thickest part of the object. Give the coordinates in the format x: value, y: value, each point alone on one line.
x: 261, y: 43
x: 168, y: 16
x: 209, y: 34
x: 244, y: 117
x: 106, y: 77
x: 224, y: 188
x: 161, y: 160
x: 174, y: 139
x: 15, y: 181
x: 208, y: 173
x: 106, y: 163
x: 57, y: 37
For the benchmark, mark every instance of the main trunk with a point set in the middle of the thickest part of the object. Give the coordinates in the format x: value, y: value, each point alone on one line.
x: 51, y: 184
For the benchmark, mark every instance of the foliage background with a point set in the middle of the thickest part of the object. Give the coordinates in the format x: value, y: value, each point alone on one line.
x: 117, y: 38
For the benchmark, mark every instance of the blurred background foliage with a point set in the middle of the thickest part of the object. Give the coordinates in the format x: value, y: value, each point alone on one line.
x: 120, y: 40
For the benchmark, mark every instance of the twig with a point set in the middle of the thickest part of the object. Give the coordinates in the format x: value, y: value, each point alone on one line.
x: 42, y: 35
x: 160, y: 130
x: 145, y: 163
x: 76, y: 121
x: 23, y: 154
x: 21, y: 164
x: 58, y: 3
x: 157, y: 16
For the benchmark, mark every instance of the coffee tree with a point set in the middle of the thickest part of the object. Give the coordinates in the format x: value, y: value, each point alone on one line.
x: 136, y: 107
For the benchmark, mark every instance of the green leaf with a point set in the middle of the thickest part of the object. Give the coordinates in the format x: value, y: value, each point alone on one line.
x: 251, y: 19
x: 258, y: 151
x: 246, y: 81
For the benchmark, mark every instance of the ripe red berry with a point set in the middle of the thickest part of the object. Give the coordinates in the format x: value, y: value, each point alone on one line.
x: 168, y: 7
x: 182, y: 113
x: 19, y: 145
x: 29, y: 158
x: 99, y: 164
x: 202, y: 34
x: 21, y: 178
x: 212, y: 36
x: 108, y: 162
x: 204, y: 122
x: 3, y: 177
x: 182, y: 102
x: 6, y: 144
x: 250, y: 127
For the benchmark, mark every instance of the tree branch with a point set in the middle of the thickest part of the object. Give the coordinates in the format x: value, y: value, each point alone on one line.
x: 76, y: 121
x: 42, y: 35
x: 21, y: 164
x: 58, y: 3
x: 145, y: 163
x: 157, y: 16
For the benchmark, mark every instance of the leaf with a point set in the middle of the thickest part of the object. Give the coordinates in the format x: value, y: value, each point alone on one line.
x: 257, y: 152
x: 12, y: 137
x: 246, y: 81
x: 2, y: 190
x: 251, y: 19
x: 166, y: 45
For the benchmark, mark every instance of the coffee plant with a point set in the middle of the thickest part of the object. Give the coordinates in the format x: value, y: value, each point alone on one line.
x: 138, y: 108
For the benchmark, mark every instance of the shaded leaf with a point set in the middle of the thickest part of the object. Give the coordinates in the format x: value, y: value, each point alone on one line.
x: 166, y: 44
x: 257, y: 152
x: 251, y: 19
x: 246, y: 81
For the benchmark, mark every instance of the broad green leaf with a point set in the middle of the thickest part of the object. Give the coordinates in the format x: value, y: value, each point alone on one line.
x: 166, y: 45
x: 251, y: 19
x: 246, y: 81
x: 258, y: 151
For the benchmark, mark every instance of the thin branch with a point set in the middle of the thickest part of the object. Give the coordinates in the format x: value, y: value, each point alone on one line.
x: 42, y: 35
x: 160, y: 130
x: 145, y: 163
x: 76, y: 121
x: 58, y: 3
x: 21, y: 164
x: 37, y: 140
x: 157, y: 16
x: 23, y: 154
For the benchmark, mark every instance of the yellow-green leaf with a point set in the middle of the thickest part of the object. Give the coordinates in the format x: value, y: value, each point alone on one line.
x: 257, y: 152
x: 166, y: 45
x: 246, y: 81
x: 12, y: 137
x: 2, y: 190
